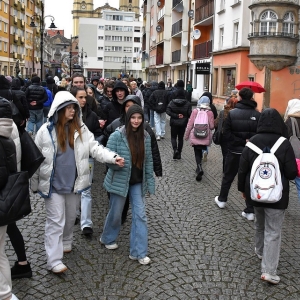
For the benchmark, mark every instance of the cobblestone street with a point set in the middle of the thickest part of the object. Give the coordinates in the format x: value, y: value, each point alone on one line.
x: 198, y: 251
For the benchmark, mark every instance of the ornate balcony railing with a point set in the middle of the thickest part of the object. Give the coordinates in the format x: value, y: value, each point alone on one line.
x: 275, y: 34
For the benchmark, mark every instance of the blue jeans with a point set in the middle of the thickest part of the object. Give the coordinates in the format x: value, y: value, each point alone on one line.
x: 36, y: 118
x: 160, y: 123
x: 152, y: 118
x: 139, y: 230
x: 86, y: 201
x: 297, y: 181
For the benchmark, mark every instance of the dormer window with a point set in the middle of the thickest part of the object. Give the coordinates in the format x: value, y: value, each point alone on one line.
x: 288, y: 23
x: 268, y: 23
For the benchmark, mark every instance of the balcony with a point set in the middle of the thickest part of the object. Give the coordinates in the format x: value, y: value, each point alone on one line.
x: 176, y: 2
x: 176, y: 56
x: 159, y: 60
x: 203, y: 50
x: 273, y: 34
x: 177, y: 27
x: 204, y: 11
x: 161, y: 13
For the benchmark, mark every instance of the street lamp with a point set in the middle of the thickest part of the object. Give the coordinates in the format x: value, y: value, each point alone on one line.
x: 125, y: 62
x: 81, y: 56
x: 70, y: 52
x: 52, y: 26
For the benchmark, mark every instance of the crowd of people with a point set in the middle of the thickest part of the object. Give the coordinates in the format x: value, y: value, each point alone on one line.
x: 120, y: 122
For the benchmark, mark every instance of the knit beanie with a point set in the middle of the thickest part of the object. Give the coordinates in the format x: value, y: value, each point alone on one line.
x: 8, y: 78
x: 133, y: 110
x: 180, y: 83
x: 161, y: 85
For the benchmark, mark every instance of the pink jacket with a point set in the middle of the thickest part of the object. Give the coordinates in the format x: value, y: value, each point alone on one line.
x: 189, y: 132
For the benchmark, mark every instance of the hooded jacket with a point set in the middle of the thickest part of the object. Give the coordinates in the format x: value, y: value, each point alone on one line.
x: 270, y: 127
x: 158, y: 99
x: 46, y: 141
x: 240, y: 125
x: 157, y: 165
x: 35, y: 92
x: 112, y: 110
x: 16, y: 89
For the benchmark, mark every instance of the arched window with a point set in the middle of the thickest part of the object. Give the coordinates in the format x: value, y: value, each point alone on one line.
x: 268, y: 23
x: 288, y: 23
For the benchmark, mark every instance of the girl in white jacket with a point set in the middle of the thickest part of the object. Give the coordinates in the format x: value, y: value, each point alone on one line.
x: 66, y: 144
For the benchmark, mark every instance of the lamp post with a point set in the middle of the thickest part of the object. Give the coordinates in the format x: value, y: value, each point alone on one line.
x: 125, y: 62
x: 52, y: 26
x: 70, y: 52
x: 82, y: 53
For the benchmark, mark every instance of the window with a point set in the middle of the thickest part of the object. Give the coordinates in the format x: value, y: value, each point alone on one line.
x: 127, y: 28
x: 113, y: 48
x: 221, y: 38
x: 236, y: 33
x: 116, y: 38
x: 137, y: 29
x: 136, y: 49
x: 127, y: 49
x: 109, y: 17
x: 128, y: 19
x: 137, y: 39
x: 0, y: 46
x: 100, y: 58
x: 127, y: 39
x: 119, y: 28
x: 101, y: 27
x: 100, y: 48
x: 268, y: 23
x: 288, y: 24
x: 108, y: 27
x: 117, y: 18
x: 229, y: 76
x: 222, y: 5
x: 108, y: 37
x: 5, y: 8
x: 100, y: 37
x: 5, y: 47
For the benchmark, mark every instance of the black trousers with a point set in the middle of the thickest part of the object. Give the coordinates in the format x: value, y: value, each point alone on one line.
x: 17, y: 241
x: 198, y: 153
x: 177, y: 133
x: 230, y: 171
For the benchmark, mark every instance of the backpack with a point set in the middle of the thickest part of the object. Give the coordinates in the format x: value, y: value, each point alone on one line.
x: 201, y: 127
x: 294, y: 139
x: 265, y: 177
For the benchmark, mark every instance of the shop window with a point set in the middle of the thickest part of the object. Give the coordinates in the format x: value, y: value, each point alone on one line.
x: 229, y: 81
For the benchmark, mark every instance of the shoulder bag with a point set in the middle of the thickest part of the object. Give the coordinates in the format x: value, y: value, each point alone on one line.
x: 217, y: 136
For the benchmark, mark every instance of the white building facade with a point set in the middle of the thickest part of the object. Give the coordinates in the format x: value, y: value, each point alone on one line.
x: 111, y: 46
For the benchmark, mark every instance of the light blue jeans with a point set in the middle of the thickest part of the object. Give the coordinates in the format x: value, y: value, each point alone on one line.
x: 86, y: 201
x: 139, y: 230
x: 152, y: 118
x: 160, y: 123
x: 36, y: 118
x: 297, y: 181
x: 268, y: 224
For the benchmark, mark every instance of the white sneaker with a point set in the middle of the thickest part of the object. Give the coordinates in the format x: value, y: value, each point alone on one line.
x: 270, y: 278
x: 60, y: 268
x: 204, y: 156
x: 220, y: 203
x: 143, y: 261
x: 158, y: 138
x: 110, y: 246
x: 67, y: 248
x: 13, y: 297
x: 248, y: 216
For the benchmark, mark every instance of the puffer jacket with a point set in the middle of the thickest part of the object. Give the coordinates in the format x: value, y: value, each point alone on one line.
x: 146, y: 95
x: 46, y: 141
x: 270, y: 128
x: 240, y: 125
x: 16, y: 89
x: 35, y: 92
x: 176, y: 107
x: 90, y: 119
x: 159, y: 100
x: 189, y: 132
x: 117, y: 179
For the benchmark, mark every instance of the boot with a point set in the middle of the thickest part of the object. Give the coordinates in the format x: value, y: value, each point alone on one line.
x: 175, y: 154
x: 199, y: 172
x: 178, y: 155
x: 21, y: 271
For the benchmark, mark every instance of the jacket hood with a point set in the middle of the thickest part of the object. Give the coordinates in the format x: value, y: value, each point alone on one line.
x: 119, y: 85
x: 16, y: 84
x: 250, y: 103
x: 61, y: 100
x: 270, y: 121
x: 5, y: 108
x: 179, y: 102
x: 132, y: 98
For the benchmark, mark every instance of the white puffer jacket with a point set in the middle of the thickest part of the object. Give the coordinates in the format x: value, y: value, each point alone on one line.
x: 46, y: 141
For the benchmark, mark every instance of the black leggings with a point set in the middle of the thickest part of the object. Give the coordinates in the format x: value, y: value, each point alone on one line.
x: 177, y: 132
x: 17, y: 241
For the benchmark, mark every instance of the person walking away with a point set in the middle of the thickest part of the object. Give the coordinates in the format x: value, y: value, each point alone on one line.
x: 49, y: 101
x: 239, y: 126
x: 154, y: 87
x: 159, y: 103
x: 268, y: 216
x: 146, y: 95
x: 293, y: 111
x: 189, y: 89
x: 179, y: 111
x: 64, y: 174
x: 135, y: 179
x: 36, y: 96
x: 90, y: 119
x: 223, y: 115
x: 199, y: 144
x: 8, y: 164
x: 52, y: 87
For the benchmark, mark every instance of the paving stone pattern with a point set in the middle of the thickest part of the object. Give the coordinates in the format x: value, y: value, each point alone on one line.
x: 198, y: 251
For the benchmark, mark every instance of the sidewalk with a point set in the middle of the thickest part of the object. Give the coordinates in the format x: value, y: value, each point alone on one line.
x: 198, y: 251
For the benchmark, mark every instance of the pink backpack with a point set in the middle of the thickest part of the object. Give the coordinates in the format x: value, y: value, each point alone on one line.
x: 201, y: 126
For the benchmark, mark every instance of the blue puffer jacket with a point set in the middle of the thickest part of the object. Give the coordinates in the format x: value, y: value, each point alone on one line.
x: 117, y: 179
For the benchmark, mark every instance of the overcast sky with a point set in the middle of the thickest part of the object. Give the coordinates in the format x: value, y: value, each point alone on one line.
x: 61, y: 11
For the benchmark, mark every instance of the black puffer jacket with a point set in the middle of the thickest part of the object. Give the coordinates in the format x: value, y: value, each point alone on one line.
x: 146, y: 95
x: 176, y: 107
x: 35, y: 92
x: 90, y: 119
x: 270, y: 128
x: 159, y: 99
x: 16, y: 88
x: 157, y: 166
x: 240, y: 125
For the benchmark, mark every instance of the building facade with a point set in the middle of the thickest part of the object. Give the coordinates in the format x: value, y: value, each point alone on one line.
x: 112, y: 44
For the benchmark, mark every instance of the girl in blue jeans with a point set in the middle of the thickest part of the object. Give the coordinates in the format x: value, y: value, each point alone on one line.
x: 135, y: 179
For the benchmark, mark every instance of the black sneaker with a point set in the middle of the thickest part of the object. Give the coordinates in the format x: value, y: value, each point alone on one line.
x: 87, y: 231
x: 21, y: 271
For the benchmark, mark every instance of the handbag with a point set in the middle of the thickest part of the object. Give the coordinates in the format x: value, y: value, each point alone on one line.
x: 217, y: 135
x: 31, y: 155
x: 295, y: 138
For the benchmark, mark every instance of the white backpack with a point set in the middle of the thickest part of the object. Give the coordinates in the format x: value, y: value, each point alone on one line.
x: 265, y: 177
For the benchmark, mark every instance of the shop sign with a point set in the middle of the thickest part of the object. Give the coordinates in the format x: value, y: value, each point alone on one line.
x: 203, y: 68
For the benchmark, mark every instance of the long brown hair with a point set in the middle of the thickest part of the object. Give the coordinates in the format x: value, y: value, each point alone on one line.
x: 73, y: 126
x: 136, y: 142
